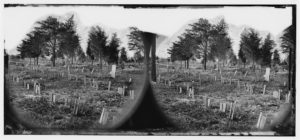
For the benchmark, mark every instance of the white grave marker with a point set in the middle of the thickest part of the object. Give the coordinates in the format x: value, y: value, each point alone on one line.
x: 246, y: 74
x: 104, y: 117
x: 264, y: 90
x: 120, y: 90
x: 259, y: 119
x: 113, y: 71
x: 131, y: 92
x: 288, y: 97
x: 267, y: 75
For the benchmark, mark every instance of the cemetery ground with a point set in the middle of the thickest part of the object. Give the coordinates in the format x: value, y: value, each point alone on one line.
x: 81, y: 97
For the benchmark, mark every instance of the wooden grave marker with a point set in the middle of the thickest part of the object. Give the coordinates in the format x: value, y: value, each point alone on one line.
x: 261, y: 121
x: 109, y: 85
x: 131, y: 93
x: 224, y: 105
x: 231, y: 111
x: 120, y: 91
x: 246, y: 74
x: 92, y: 71
x: 288, y: 97
x: 208, y: 102
x: 53, y: 98
x: 267, y: 74
x: 158, y: 78
x: 28, y: 87
x: 113, y: 71
x: 84, y: 80
x: 191, y: 93
x: 66, y: 101
x: 104, y: 117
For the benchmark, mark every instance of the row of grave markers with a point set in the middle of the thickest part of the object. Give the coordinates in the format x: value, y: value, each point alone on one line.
x: 248, y: 87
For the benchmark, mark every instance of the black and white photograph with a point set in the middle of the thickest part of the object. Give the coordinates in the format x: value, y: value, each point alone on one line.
x: 149, y: 69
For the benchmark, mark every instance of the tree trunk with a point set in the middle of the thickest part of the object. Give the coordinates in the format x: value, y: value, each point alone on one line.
x: 37, y: 60
x: 72, y: 60
x: 205, y: 55
x: 53, y: 53
x: 147, y: 40
x: 181, y: 64
x: 187, y: 64
x: 153, y: 57
x: 100, y: 62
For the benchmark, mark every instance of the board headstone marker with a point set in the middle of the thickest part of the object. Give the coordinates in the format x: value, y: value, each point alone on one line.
x: 267, y: 74
x: 262, y: 122
x: 288, y: 98
x: 258, y: 121
x: 92, y: 71
x: 109, y: 85
x: 113, y: 71
x: 224, y: 107
x: 208, y: 102
x: 233, y: 110
x: 131, y: 92
x: 246, y: 74
x: 103, y: 117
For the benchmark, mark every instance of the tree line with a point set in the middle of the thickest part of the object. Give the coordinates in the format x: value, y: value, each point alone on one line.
x: 202, y: 40
x: 59, y: 39
x: 210, y: 42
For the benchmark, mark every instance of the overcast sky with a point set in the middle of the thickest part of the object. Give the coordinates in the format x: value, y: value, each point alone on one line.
x: 19, y: 20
